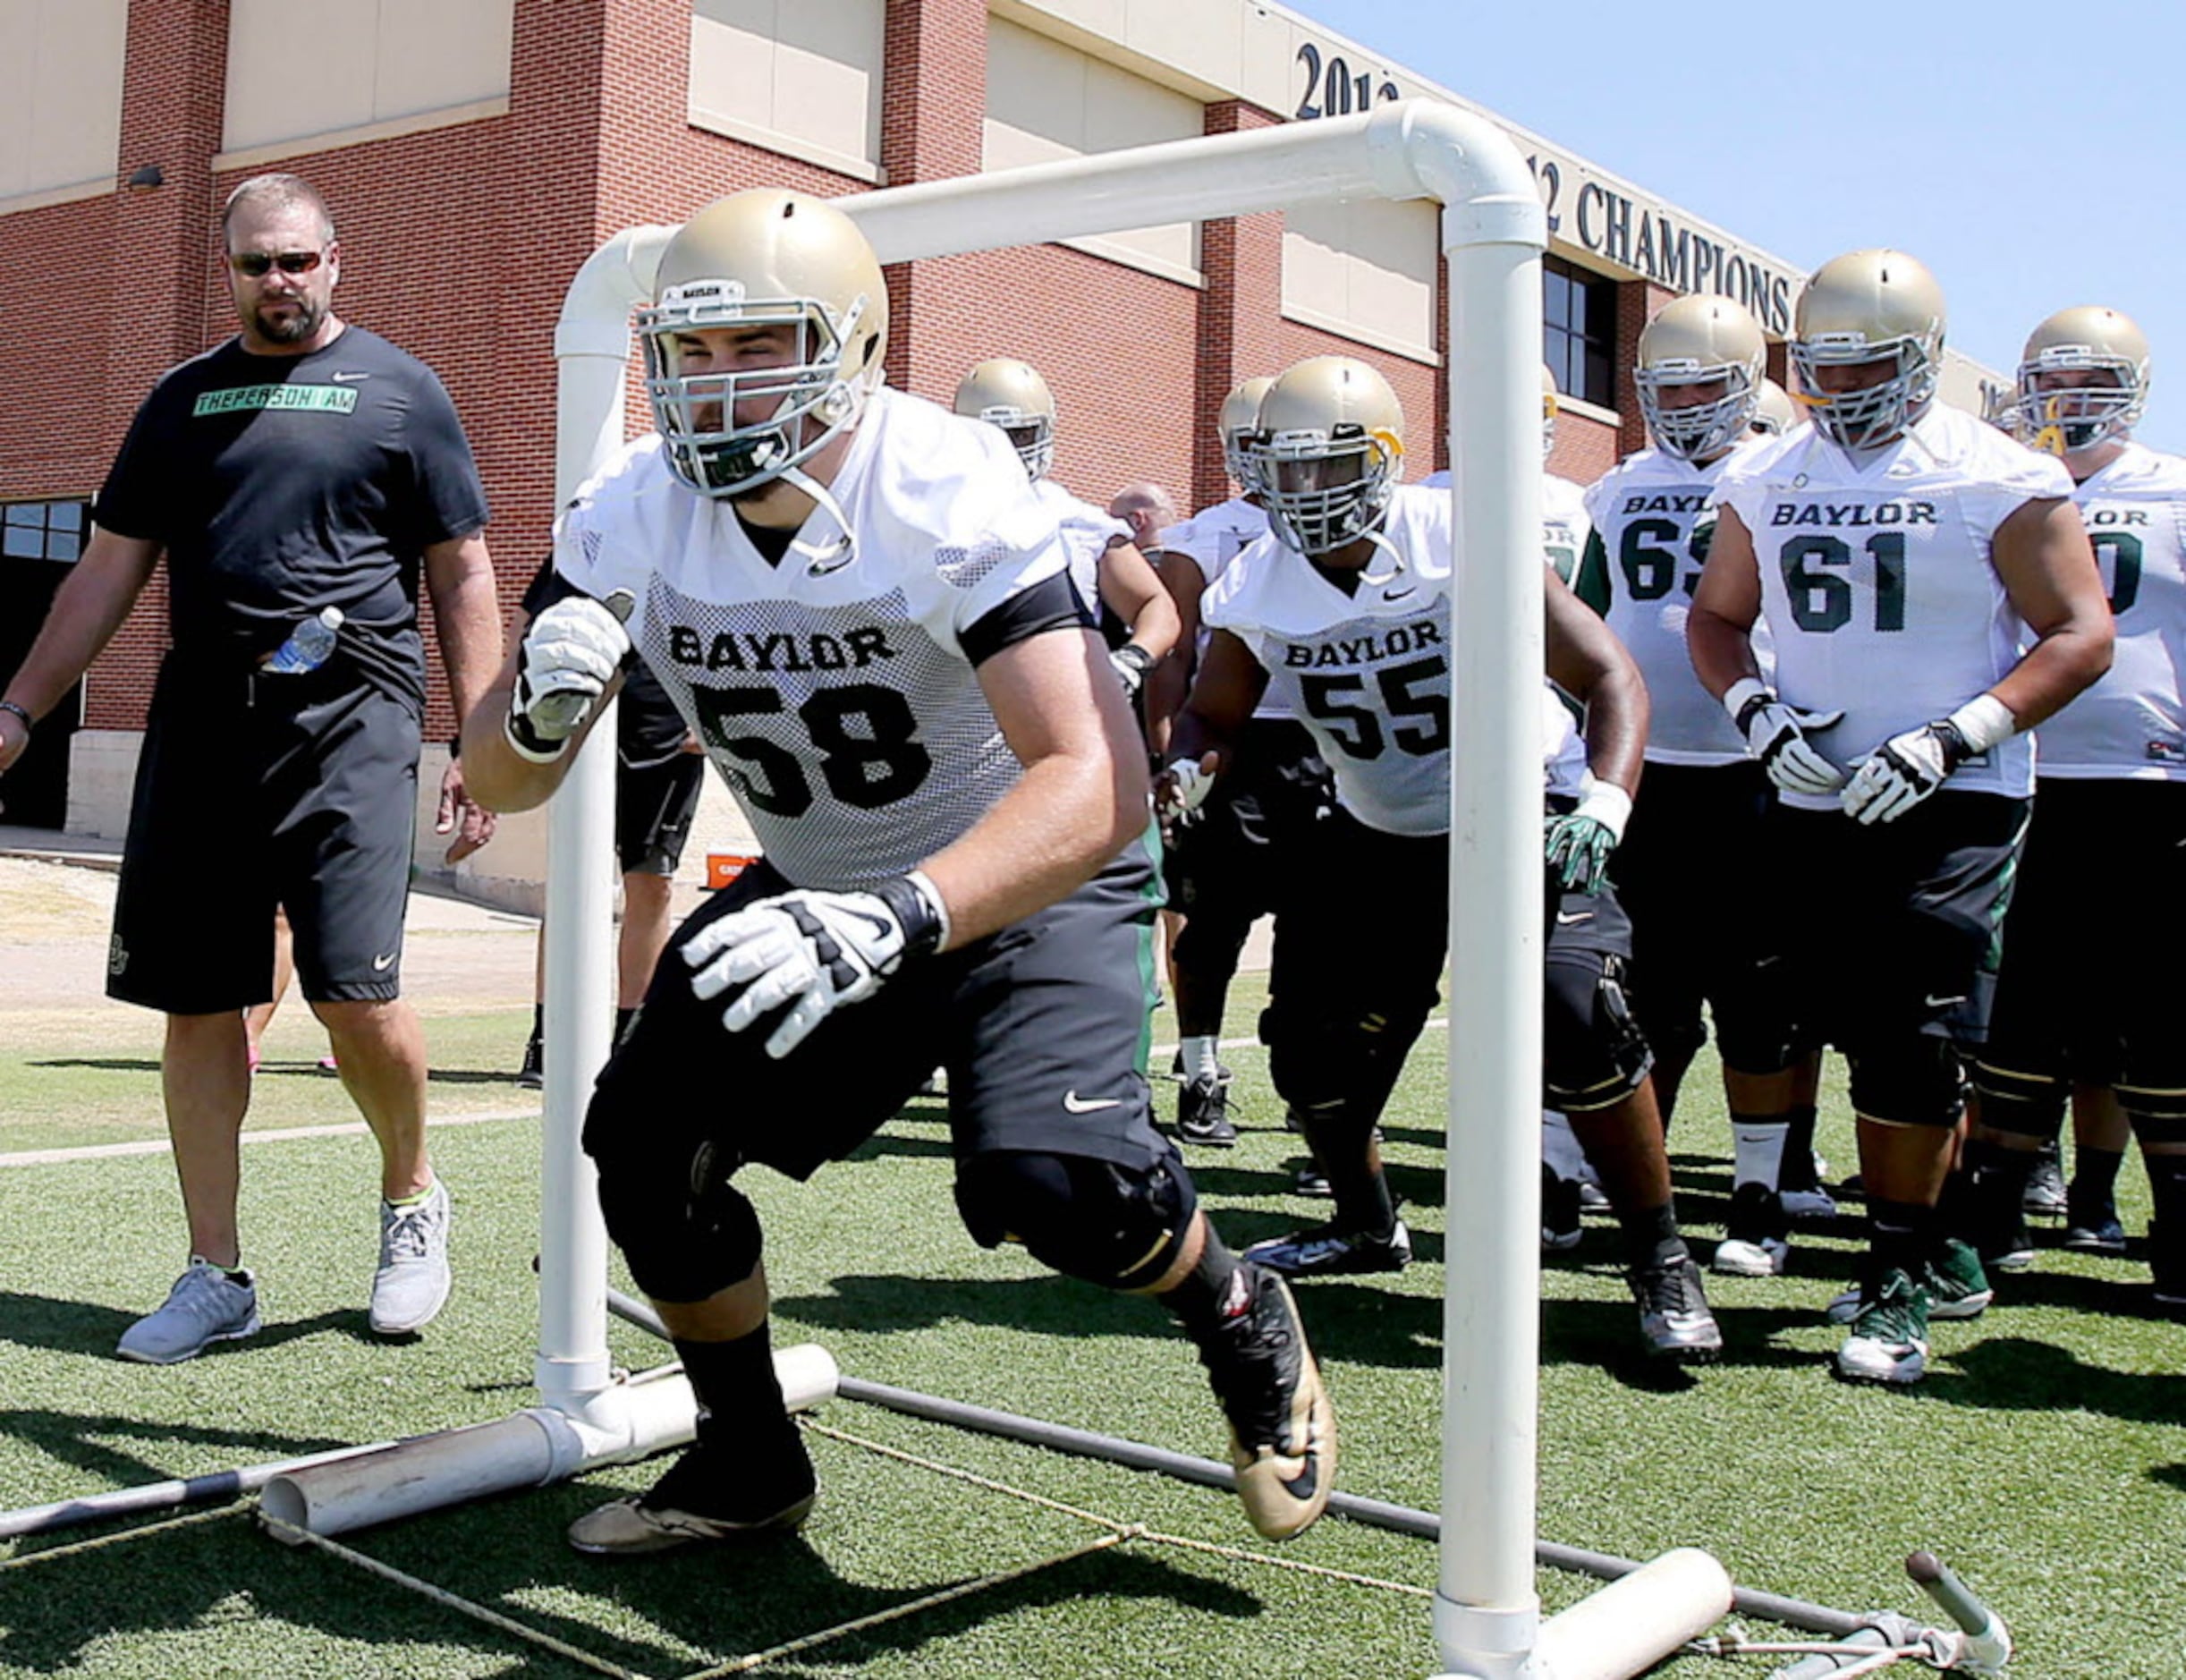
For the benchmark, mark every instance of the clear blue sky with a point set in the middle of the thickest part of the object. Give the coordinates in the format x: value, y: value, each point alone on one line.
x: 2031, y: 155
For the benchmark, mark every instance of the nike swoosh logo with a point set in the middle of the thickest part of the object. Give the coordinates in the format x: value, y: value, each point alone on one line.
x: 1398, y: 595
x: 1563, y: 921
x: 344, y: 378
x: 380, y: 963
x: 1075, y: 1104
x: 1940, y: 1003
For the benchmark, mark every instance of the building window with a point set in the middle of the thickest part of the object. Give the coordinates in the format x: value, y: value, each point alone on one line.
x: 1579, y: 331
x: 44, y: 531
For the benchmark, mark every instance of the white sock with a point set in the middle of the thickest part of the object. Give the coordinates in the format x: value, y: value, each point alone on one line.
x: 1760, y: 1151
x: 1199, y: 1056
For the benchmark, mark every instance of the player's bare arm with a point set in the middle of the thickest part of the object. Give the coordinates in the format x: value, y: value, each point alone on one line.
x: 1082, y: 797
x: 1587, y: 662
x: 1229, y: 685
x: 2042, y: 554
x: 1132, y: 590
x: 88, y: 609
x: 1719, y: 630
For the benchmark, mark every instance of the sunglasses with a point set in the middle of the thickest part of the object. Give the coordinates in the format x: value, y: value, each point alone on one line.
x: 254, y: 265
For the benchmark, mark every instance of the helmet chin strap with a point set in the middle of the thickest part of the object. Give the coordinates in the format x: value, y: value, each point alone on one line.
x: 821, y: 558
x: 1396, y: 559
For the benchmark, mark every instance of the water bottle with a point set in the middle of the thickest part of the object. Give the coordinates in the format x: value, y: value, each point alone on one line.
x: 308, y: 645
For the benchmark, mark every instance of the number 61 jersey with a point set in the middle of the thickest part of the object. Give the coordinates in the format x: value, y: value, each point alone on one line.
x: 1369, y: 672
x: 836, y: 690
x: 1876, y: 581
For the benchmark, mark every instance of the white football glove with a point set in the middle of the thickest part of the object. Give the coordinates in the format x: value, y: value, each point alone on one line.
x: 812, y: 953
x: 1776, y: 735
x: 568, y: 658
x: 1183, y: 789
x: 1901, y: 772
x: 1131, y: 663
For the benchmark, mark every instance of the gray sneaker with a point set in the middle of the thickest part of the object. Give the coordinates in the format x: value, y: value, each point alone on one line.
x: 411, y: 1284
x: 206, y: 1305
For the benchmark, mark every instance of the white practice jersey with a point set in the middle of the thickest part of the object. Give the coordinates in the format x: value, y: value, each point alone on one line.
x: 2132, y: 722
x: 1087, y: 532
x: 1211, y: 539
x: 836, y: 700
x: 1877, y: 586
x: 1368, y: 673
x: 1650, y: 516
x: 1564, y: 523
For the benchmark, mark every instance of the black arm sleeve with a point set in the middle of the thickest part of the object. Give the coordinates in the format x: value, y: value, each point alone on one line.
x: 1051, y: 604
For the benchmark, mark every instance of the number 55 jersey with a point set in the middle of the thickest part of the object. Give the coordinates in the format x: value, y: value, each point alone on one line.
x: 1368, y: 672
x: 1877, y: 584
x: 836, y: 689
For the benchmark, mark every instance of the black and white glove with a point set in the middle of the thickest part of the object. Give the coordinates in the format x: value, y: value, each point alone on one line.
x: 1131, y: 663
x: 1776, y: 735
x: 1182, y: 789
x: 1907, y: 768
x: 1579, y: 843
x: 568, y: 658
x: 813, y: 953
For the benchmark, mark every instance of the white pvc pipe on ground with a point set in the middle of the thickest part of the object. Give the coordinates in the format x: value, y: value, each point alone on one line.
x: 1628, y: 1626
x: 530, y: 1449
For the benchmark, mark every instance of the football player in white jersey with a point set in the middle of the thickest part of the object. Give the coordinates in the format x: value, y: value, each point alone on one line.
x: 1692, y: 867
x: 1773, y: 411
x: 1237, y: 858
x: 1116, y: 582
x: 2088, y: 995
x: 1343, y: 610
x: 1565, y: 520
x: 1901, y: 550
x: 860, y: 609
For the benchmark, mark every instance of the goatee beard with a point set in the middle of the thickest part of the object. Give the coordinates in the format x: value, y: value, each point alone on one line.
x: 296, y: 329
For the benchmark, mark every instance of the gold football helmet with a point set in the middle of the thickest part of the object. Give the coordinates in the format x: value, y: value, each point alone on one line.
x: 1325, y: 458
x: 761, y: 258
x: 1700, y: 340
x: 2063, y: 417
x: 1013, y: 395
x: 1240, y: 419
x: 1548, y: 412
x: 1773, y: 411
x: 1870, y: 306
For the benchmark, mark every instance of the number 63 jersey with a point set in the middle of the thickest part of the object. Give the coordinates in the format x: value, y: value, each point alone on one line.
x: 1877, y: 584
x: 1368, y: 673
x: 836, y: 692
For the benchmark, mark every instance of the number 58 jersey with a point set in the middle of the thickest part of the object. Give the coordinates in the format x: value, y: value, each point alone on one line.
x: 1877, y: 584
x: 837, y: 690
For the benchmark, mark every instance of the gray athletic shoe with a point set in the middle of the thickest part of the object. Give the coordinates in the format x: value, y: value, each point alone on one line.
x: 206, y: 1305
x: 411, y: 1284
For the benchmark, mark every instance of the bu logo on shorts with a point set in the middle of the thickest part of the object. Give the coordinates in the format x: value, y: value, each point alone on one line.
x: 117, y: 957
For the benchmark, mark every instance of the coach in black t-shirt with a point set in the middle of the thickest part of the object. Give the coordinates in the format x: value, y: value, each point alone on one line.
x: 304, y: 465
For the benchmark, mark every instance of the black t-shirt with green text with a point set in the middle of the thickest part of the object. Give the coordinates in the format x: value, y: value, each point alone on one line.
x: 281, y: 485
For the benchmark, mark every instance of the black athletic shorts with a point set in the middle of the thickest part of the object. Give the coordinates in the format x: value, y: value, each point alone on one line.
x: 653, y: 804
x: 1233, y: 862
x: 1043, y: 1028
x: 1896, y: 928
x: 1380, y: 957
x: 1688, y: 871
x: 254, y: 792
x: 2089, y: 990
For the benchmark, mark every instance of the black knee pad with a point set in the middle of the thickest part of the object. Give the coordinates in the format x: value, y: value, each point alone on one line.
x: 1318, y: 1062
x: 1756, y: 1030
x: 2025, y: 1105
x: 1911, y: 1079
x: 1120, y: 1227
x: 1593, y: 1053
x: 687, y: 1231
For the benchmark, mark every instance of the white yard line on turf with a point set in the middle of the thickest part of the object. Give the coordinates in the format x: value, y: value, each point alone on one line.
x: 356, y: 1128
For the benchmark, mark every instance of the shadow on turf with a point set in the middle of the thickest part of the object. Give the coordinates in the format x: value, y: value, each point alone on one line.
x: 84, y: 1326
x: 509, y: 1554
x: 272, y: 1069
x: 87, y: 1442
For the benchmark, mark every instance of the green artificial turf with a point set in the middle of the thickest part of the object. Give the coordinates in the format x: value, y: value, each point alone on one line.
x: 2045, y: 1456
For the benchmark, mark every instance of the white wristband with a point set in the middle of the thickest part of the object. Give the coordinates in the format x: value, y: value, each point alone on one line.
x: 1984, y: 722
x: 1735, y: 697
x: 1608, y: 804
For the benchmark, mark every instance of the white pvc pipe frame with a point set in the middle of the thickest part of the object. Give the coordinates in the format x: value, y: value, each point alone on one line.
x: 1493, y: 230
